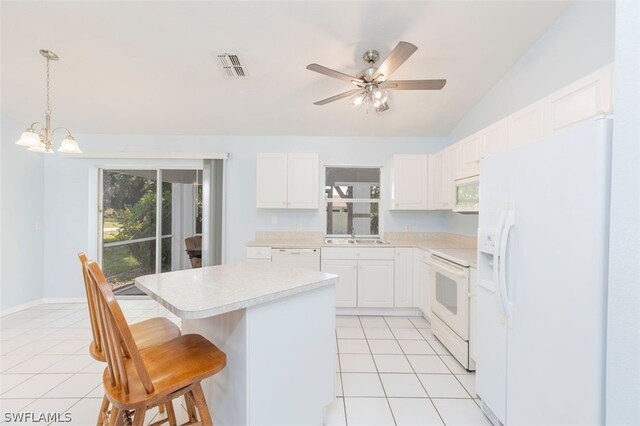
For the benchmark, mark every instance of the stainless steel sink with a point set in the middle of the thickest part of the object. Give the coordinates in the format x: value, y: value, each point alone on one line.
x: 339, y: 241
x: 369, y: 241
x: 347, y: 241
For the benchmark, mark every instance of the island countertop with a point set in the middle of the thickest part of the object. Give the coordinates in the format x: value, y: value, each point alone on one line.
x: 215, y: 290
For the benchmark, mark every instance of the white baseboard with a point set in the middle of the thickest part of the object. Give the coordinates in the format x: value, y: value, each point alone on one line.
x: 397, y: 312
x: 18, y: 308
x: 64, y: 300
x: 23, y: 306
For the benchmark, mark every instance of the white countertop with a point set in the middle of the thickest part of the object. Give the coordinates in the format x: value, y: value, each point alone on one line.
x: 215, y: 290
x: 457, y: 248
x: 464, y: 257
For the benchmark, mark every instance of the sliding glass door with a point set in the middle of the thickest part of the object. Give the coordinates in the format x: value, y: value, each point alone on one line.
x: 146, y: 216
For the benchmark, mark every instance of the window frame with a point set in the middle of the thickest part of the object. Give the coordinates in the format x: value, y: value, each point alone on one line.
x: 377, y: 201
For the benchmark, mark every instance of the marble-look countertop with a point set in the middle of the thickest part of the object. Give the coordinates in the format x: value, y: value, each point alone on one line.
x: 462, y: 256
x: 215, y: 290
x: 458, y: 248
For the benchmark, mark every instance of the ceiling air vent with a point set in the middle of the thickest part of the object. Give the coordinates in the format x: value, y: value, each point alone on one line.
x: 232, y: 66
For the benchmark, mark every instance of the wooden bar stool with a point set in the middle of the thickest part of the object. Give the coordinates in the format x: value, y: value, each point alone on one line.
x: 151, y: 332
x: 135, y: 380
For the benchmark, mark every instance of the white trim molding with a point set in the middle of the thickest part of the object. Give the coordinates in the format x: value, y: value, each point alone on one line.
x: 152, y: 155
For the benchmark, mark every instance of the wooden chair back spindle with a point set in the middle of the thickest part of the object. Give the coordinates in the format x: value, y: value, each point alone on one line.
x: 91, y: 301
x: 118, y: 340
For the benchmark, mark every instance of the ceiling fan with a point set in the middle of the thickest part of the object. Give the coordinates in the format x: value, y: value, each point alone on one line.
x: 373, y: 83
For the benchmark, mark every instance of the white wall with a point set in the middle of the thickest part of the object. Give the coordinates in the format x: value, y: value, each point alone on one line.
x: 71, y: 228
x: 578, y: 43
x: 21, y: 244
x: 623, y: 327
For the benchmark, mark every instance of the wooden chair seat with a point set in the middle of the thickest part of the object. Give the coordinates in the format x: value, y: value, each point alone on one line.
x: 147, y: 333
x: 172, y: 366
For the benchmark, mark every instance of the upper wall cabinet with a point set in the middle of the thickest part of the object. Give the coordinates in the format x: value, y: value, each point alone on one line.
x: 526, y: 125
x: 494, y: 139
x: 410, y: 182
x: 583, y: 99
x: 287, y: 181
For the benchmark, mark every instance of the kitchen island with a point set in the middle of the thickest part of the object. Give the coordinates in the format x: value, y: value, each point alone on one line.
x: 276, y: 323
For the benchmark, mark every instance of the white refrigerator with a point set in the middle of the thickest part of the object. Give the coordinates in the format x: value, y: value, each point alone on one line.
x: 542, y: 279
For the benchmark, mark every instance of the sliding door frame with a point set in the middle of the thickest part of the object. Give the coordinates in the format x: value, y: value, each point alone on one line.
x: 158, y: 237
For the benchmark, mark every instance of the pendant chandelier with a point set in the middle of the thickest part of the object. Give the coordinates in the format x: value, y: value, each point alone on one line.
x: 39, y: 137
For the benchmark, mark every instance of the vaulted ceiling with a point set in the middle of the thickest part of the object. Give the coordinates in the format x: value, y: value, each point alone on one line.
x: 151, y: 67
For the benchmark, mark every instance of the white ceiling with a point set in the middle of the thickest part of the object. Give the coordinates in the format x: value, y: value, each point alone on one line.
x: 151, y: 67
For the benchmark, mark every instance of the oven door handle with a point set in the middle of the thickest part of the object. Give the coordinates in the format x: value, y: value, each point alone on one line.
x: 459, y: 273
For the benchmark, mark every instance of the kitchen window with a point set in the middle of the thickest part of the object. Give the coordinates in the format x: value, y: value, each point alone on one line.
x: 352, y: 198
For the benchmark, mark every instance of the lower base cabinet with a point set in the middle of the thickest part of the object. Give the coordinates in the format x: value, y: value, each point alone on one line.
x: 421, y: 290
x: 362, y: 283
x: 375, y: 283
x: 347, y: 286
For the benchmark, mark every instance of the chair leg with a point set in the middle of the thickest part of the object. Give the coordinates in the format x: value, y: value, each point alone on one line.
x: 171, y: 415
x: 113, y: 417
x: 201, y: 404
x: 161, y: 408
x: 104, y: 412
x: 138, y: 417
x: 191, y: 408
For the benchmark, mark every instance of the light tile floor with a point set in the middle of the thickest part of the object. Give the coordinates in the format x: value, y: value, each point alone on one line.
x: 391, y: 370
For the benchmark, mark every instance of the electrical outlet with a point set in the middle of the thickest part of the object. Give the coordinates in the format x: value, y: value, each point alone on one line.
x: 274, y: 220
x: 407, y: 227
x: 297, y: 227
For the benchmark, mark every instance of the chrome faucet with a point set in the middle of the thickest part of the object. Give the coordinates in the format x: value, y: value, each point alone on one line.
x: 353, y: 233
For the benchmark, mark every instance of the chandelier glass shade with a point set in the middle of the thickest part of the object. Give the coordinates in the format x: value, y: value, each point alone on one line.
x: 39, y: 136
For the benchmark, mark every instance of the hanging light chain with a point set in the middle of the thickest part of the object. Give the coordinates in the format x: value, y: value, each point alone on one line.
x: 48, y: 110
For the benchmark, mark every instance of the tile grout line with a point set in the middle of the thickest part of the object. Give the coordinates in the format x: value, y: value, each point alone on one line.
x: 378, y: 371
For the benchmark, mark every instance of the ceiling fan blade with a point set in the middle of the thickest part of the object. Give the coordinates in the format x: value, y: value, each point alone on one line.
x: 398, y: 55
x: 333, y: 73
x: 414, y: 84
x: 337, y: 97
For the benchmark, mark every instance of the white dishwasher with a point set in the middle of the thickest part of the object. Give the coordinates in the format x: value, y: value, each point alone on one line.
x: 301, y: 257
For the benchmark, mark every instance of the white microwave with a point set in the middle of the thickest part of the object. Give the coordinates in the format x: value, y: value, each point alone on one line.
x: 467, y: 196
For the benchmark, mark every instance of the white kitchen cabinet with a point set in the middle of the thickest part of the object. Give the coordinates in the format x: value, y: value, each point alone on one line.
x: 347, y: 286
x: 375, y: 283
x: 432, y: 182
x: 409, y: 182
x: 442, y: 180
x: 470, y: 154
x: 367, y: 278
x: 421, y: 288
x: 262, y: 254
x: 473, y: 304
x: 525, y: 126
x: 448, y: 163
x: 403, y: 291
x: 581, y: 100
x: 494, y: 139
x: 271, y: 181
x: 302, y: 181
x: 287, y: 181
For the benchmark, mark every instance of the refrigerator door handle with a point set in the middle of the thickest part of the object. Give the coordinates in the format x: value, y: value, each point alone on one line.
x: 496, y: 261
x: 502, y: 282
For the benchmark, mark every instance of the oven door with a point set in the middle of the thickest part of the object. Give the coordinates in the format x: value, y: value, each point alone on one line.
x: 449, y: 294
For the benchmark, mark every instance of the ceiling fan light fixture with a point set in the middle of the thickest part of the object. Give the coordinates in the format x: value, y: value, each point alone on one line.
x: 358, y: 100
